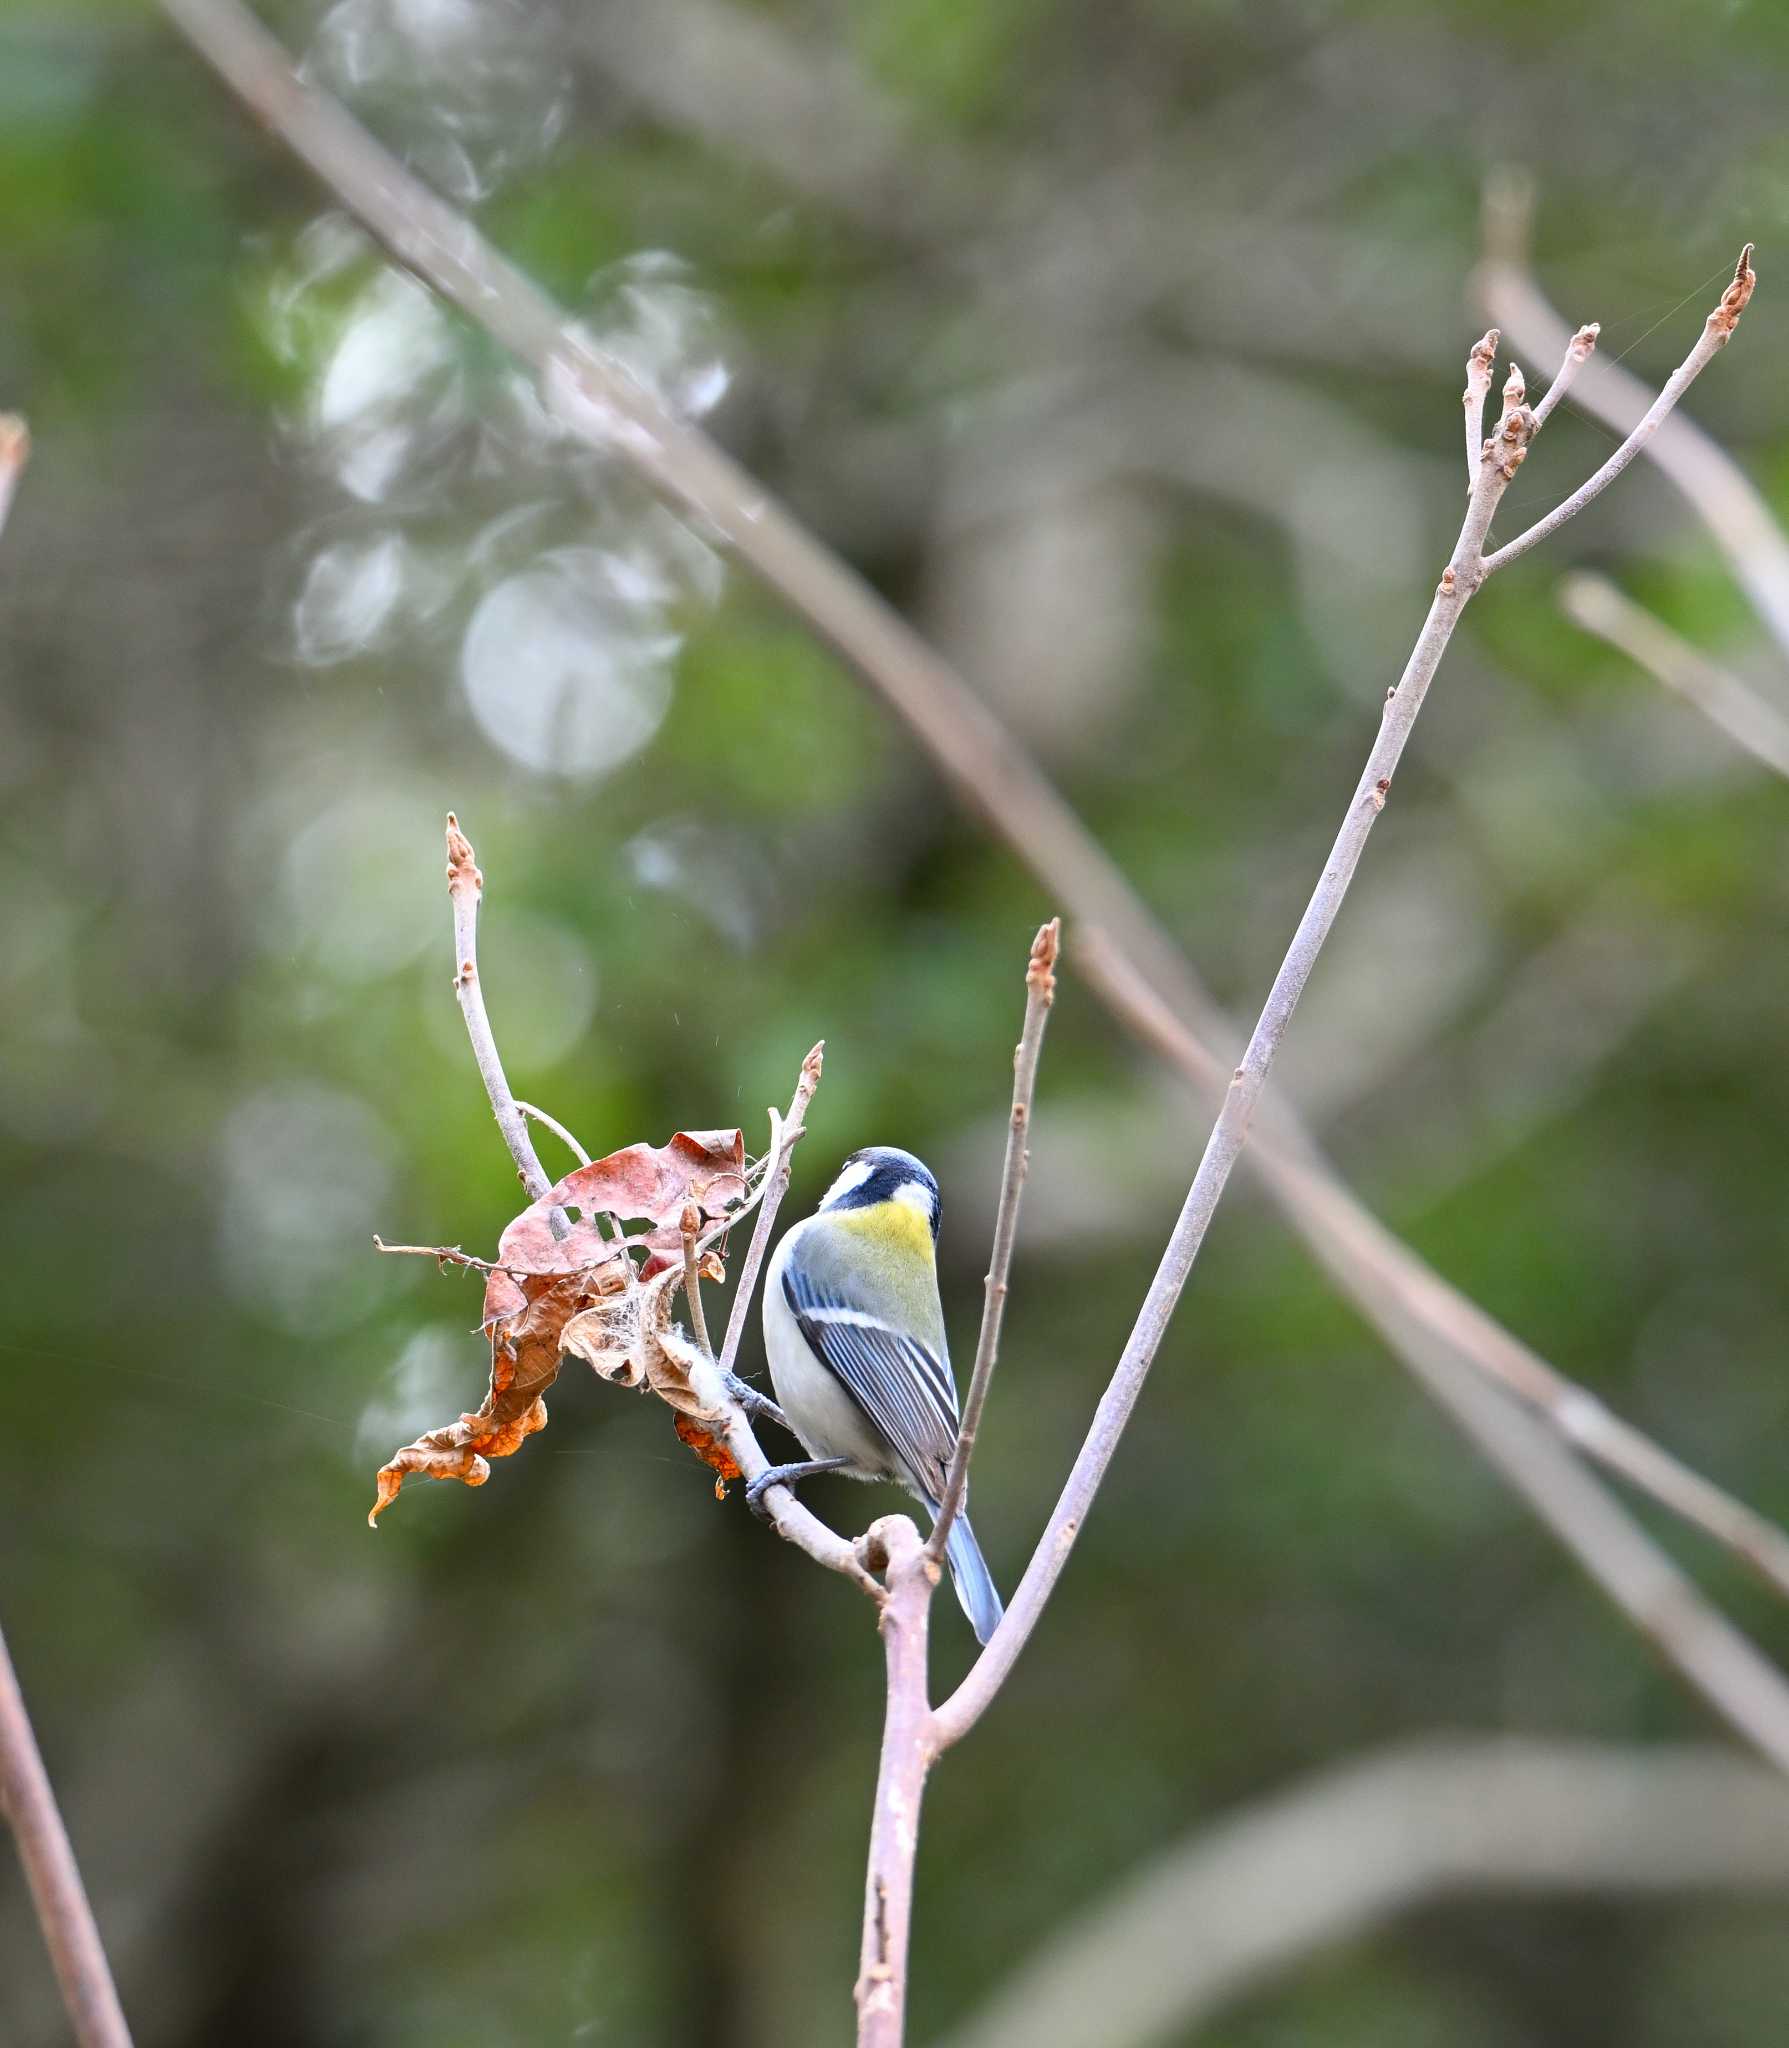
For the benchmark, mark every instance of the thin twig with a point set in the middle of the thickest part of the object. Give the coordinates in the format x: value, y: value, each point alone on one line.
x: 734, y: 1217
x: 793, y: 1522
x: 1252, y: 1895
x: 559, y: 1131
x: 1594, y: 603
x: 465, y: 888
x: 443, y: 1254
x: 982, y: 761
x: 1732, y: 508
x: 692, y: 1279
x: 1578, y: 352
x: 1717, y: 331
x: 63, y: 1914
x: 785, y: 1136
x: 1040, y: 993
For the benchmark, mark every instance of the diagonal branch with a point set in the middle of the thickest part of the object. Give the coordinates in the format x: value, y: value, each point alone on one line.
x: 1040, y: 993
x: 69, y: 1931
x: 27, y: 1799
x: 1413, y: 1308
x: 1252, y: 1895
x: 1594, y: 603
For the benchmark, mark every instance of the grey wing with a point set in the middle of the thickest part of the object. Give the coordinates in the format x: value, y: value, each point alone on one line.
x: 901, y: 1384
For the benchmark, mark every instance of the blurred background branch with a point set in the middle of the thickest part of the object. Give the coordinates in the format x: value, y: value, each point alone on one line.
x: 1255, y: 1894
x: 27, y: 1798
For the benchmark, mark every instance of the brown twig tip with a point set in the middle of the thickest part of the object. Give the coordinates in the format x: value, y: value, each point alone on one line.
x: 1736, y: 297
x: 1481, y: 360
x: 1515, y: 389
x: 1585, y: 340
x: 1046, y: 950
x: 462, y: 868
x: 816, y: 1059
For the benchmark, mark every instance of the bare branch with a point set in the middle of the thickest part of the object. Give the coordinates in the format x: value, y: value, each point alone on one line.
x: 1249, y: 1897
x: 1717, y: 330
x: 1730, y: 1673
x: 552, y: 1123
x: 1594, y: 603
x: 1480, y: 364
x: 786, y: 1134
x: 1718, y: 490
x: 1040, y: 993
x: 1411, y: 1305
x: 69, y: 1931
x: 465, y: 888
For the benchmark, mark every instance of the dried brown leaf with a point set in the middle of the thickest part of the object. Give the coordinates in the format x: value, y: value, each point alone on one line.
x: 549, y: 1297
x: 525, y: 1353
x: 639, y: 1184
x: 632, y: 1339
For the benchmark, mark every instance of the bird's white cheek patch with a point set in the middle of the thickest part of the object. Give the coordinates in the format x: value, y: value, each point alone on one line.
x: 851, y: 1179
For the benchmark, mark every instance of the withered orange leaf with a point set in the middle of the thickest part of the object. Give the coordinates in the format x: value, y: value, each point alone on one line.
x: 710, y: 1450
x: 525, y: 1353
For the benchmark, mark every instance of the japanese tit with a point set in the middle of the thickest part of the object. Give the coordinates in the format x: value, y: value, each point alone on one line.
x: 854, y: 1332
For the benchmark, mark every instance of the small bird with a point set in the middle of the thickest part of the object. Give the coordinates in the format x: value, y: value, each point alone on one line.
x: 854, y: 1332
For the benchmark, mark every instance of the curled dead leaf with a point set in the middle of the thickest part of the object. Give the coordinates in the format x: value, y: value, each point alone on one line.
x: 525, y: 1354
x: 633, y: 1340
x: 711, y: 1450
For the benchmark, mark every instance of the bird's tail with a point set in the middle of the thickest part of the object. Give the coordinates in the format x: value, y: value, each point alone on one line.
x: 969, y: 1573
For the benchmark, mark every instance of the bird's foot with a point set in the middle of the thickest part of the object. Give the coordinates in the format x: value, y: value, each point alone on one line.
x: 760, y: 1407
x: 786, y: 1475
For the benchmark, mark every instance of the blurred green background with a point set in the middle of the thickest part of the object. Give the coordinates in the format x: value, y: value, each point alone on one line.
x: 1120, y: 345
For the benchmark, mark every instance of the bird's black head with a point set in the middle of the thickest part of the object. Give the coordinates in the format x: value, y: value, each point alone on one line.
x: 884, y: 1173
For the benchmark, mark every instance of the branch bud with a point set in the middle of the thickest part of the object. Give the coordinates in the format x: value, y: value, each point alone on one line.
x: 1735, y: 298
